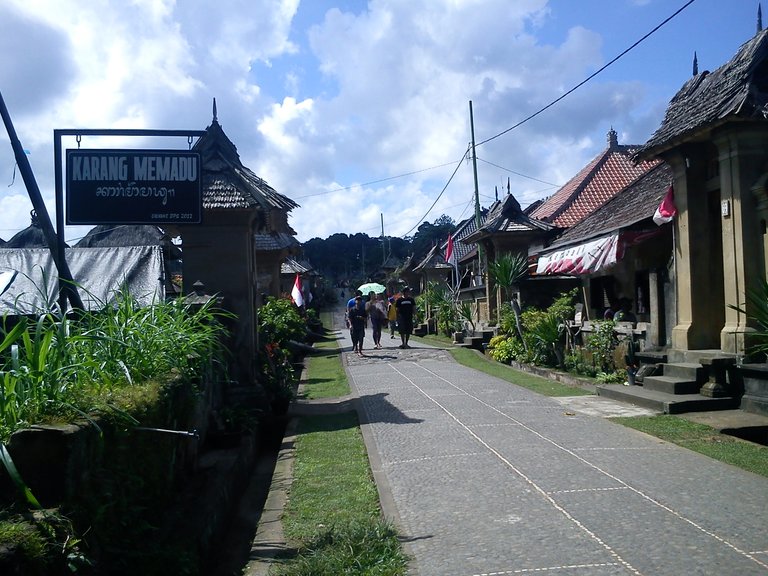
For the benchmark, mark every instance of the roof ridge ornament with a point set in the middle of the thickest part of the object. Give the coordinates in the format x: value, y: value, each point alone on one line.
x: 695, y: 64
x: 215, y: 114
x: 759, y: 18
x: 613, y: 138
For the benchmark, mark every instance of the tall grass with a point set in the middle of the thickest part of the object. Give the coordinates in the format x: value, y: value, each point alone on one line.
x: 56, y: 368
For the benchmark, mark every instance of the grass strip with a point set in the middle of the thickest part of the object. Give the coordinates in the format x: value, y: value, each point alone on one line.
x: 333, y: 516
x: 471, y: 359
x: 325, y: 373
x: 702, y: 439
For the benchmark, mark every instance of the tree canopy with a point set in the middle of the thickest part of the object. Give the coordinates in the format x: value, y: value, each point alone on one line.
x: 359, y: 255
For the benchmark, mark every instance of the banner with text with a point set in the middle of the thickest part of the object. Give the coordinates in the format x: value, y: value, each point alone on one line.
x: 133, y: 187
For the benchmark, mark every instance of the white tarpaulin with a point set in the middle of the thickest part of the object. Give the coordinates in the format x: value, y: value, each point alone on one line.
x: 581, y: 259
x: 32, y: 280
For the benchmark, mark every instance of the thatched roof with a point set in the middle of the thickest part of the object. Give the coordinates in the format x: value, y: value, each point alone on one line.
x: 738, y: 90
x: 105, y: 235
x: 227, y: 183
x: 506, y: 216
x: 31, y: 237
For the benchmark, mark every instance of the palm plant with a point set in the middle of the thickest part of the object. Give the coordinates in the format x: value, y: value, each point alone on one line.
x: 756, y: 309
x: 506, y: 271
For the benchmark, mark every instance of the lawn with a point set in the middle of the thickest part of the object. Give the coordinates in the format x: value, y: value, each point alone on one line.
x: 333, y: 518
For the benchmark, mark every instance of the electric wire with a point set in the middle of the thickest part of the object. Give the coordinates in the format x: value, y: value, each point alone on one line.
x: 373, y: 181
x: 555, y: 101
x: 520, y: 174
x: 455, y: 170
x: 588, y: 78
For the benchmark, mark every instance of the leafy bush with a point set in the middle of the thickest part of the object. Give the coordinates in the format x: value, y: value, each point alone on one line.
x: 507, y: 322
x: 601, y: 344
x: 55, y: 368
x: 577, y: 363
x: 756, y: 309
x: 563, y: 307
x: 501, y: 349
x: 280, y: 321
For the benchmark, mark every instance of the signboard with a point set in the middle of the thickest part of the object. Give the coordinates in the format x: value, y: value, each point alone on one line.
x: 133, y: 187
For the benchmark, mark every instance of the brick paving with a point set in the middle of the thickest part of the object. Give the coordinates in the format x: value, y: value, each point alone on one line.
x: 484, y: 478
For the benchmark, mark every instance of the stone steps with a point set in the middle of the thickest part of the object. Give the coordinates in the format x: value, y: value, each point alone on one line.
x: 683, y: 387
x: 664, y: 402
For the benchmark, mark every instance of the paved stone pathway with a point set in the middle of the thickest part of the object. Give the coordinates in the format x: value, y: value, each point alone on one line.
x: 485, y: 478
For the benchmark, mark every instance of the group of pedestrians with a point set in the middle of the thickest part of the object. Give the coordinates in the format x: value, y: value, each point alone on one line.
x: 380, y: 311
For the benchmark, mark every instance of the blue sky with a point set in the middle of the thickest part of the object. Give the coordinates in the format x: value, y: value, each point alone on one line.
x: 356, y: 109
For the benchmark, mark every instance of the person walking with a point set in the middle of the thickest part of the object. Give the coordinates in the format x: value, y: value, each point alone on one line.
x: 357, y: 319
x: 377, y: 313
x: 392, y: 316
x: 405, y: 308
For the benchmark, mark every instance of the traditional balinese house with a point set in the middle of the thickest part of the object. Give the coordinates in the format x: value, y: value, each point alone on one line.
x: 507, y: 229
x: 288, y: 271
x: 471, y: 285
x: 715, y: 137
x: 619, y: 252
x: 433, y: 268
x: 237, y: 250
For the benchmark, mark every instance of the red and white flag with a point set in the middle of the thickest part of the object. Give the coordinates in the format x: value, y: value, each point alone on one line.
x: 667, y: 209
x: 296, y: 294
x: 450, y: 254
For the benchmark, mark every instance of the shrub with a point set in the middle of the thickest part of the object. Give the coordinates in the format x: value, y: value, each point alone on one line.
x: 577, y: 363
x: 602, y: 343
x: 280, y: 321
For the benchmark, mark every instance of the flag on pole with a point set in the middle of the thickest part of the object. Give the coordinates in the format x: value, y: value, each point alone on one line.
x: 450, y: 254
x: 667, y: 209
x: 298, y: 298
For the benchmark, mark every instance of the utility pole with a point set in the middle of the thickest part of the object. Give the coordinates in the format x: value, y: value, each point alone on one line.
x: 67, y: 288
x: 477, y: 192
x: 383, y: 247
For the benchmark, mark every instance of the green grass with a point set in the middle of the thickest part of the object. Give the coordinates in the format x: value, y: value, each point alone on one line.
x: 333, y: 516
x: 325, y: 373
x: 703, y: 439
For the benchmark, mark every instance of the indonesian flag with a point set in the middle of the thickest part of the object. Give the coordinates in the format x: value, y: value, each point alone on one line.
x: 666, y: 210
x: 298, y: 298
x: 450, y: 254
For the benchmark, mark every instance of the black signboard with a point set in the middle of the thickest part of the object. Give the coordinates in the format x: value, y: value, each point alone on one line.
x: 133, y: 187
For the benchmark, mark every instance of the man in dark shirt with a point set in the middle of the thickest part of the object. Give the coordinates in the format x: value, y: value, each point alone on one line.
x: 405, y: 307
x: 357, y: 318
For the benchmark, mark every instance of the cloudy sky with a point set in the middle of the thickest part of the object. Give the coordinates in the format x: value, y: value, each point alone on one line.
x: 356, y: 109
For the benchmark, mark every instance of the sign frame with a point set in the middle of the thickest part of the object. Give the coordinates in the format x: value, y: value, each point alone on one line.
x: 133, y: 186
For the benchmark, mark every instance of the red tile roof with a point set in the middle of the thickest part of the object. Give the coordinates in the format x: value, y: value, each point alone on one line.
x: 596, y: 183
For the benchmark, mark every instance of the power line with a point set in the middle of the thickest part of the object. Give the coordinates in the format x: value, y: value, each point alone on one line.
x: 374, y: 181
x: 520, y: 174
x: 588, y: 78
x: 555, y: 101
x: 458, y: 165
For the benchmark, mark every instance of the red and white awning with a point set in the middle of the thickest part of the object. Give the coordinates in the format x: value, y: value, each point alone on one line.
x: 584, y: 258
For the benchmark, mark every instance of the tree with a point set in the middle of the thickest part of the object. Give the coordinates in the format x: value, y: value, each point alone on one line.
x: 429, y: 234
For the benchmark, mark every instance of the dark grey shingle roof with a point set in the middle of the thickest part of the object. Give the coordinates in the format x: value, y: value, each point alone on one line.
x: 274, y: 241
x: 227, y: 183
x: 738, y: 89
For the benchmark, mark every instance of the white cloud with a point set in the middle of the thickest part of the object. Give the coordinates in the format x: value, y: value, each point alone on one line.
x: 329, y: 94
